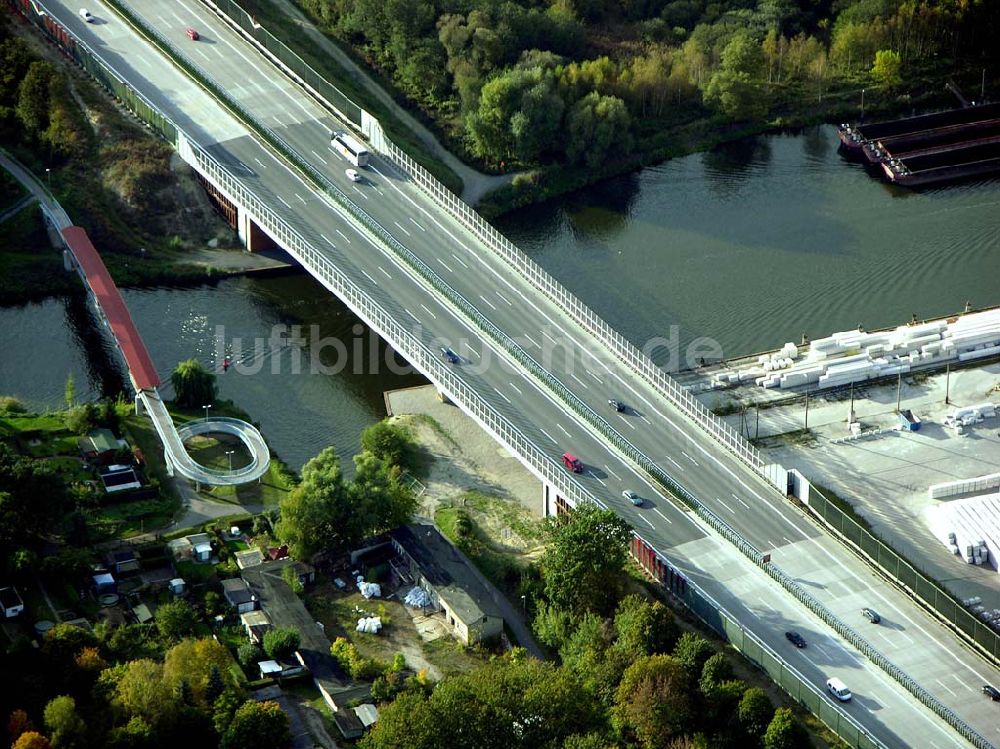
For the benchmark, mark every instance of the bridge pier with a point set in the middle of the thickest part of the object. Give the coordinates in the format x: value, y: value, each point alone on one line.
x: 139, y: 410
x: 253, y: 237
x: 67, y: 260
x: 552, y: 503
x: 443, y: 397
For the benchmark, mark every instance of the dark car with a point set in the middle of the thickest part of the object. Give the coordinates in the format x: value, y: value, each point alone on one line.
x: 617, y: 405
x: 992, y: 692
x: 450, y: 356
x: 796, y: 639
x: 871, y: 615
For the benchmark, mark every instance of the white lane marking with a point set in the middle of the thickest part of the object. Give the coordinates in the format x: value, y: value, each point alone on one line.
x: 679, y: 466
x: 448, y: 267
x: 504, y: 298
x: 595, y: 476
x: 627, y: 421
x: 787, y: 540
x: 368, y: 276
x: 402, y: 228
x: 516, y: 388
x: 739, y: 500
x: 318, y: 156
x: 487, y: 301
x: 563, y: 430
x: 639, y: 513
x: 689, y: 457
x: 387, y: 275
x: 364, y: 195
x: 946, y: 688
x: 548, y: 435
x: 579, y: 380
x: 608, y: 469
x: 416, y: 224
x: 328, y: 240
x: 343, y: 235
x: 282, y: 200
x: 663, y: 516
x: 502, y: 395
x: 544, y: 333
x: 459, y: 260
x: 411, y: 314
x: 429, y: 312
x: 261, y: 163
x: 532, y: 341
x: 595, y: 377
x: 725, y: 505
x: 646, y: 420
x: 301, y: 198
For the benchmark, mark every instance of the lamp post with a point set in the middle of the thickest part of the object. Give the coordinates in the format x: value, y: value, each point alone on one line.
x: 524, y: 605
x: 229, y: 453
x: 48, y: 178
x: 206, y: 410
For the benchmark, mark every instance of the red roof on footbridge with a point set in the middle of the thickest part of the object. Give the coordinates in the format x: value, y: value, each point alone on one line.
x: 140, y: 365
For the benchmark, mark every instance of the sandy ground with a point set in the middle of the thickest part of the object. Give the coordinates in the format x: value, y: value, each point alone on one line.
x: 886, y: 476
x: 463, y: 456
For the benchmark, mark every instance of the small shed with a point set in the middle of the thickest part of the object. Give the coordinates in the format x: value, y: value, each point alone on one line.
x: 142, y: 613
x: 202, y: 552
x: 269, y: 669
x: 367, y: 713
x: 249, y: 558
x: 256, y: 624
x: 11, y: 603
x: 239, y: 595
x: 177, y: 586
x: 104, y: 583
x: 100, y: 445
x: 123, y: 561
x: 305, y: 573
x: 118, y: 478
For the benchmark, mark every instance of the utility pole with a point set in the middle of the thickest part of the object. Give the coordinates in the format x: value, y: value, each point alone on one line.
x: 807, y: 410
x: 756, y: 406
x: 899, y: 385
x: 850, y: 413
x: 862, y: 104
x: 947, y: 384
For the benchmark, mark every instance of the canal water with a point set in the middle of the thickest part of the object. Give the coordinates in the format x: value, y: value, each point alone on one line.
x: 750, y: 246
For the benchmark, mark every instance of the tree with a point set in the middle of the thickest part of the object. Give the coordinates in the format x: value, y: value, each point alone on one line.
x: 652, y: 703
x: 18, y: 723
x: 195, y: 661
x: 588, y: 654
x: 886, y: 69
x: 785, y: 732
x: 248, y: 654
x: 583, y: 565
x: 65, y: 725
x: 176, y: 619
x: 389, y: 442
x: 257, y: 725
x: 33, y: 98
x: 31, y: 740
x: 755, y: 712
x: 81, y: 419
x: 692, y: 651
x: 194, y: 386
x: 281, y: 642
x: 142, y: 692
x: 214, y: 686
x: 597, y: 125
x: 644, y: 628
x: 316, y: 514
x: 69, y: 393
x: 734, y: 88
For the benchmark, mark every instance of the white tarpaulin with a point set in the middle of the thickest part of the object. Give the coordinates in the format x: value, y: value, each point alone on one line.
x: 369, y: 624
x: 417, y: 598
x: 369, y: 590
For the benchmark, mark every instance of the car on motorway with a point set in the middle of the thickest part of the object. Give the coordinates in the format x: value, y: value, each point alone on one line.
x: 572, y: 463
x: 992, y: 692
x: 632, y: 497
x: 838, y: 689
x: 617, y: 405
x: 796, y: 639
x: 192, y: 33
x: 450, y: 356
x: 352, y: 174
x: 871, y: 615
x: 86, y: 15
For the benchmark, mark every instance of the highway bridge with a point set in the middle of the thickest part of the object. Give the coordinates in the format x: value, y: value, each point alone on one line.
x: 536, y: 370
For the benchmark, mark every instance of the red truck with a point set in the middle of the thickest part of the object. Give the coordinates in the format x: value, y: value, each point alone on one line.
x: 572, y: 463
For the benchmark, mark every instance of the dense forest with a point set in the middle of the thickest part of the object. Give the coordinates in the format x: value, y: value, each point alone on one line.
x: 589, y: 82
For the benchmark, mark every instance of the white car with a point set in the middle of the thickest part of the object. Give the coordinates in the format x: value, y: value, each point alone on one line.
x: 352, y: 174
x: 86, y: 15
x: 632, y: 497
x: 838, y: 689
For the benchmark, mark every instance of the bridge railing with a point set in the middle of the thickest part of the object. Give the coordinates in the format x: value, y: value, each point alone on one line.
x: 623, y: 349
x: 429, y: 362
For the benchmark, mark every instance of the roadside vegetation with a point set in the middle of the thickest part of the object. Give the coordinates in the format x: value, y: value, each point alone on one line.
x: 572, y: 90
x: 110, y: 174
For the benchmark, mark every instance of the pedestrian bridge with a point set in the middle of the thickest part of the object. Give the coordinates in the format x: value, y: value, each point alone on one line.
x: 83, y: 256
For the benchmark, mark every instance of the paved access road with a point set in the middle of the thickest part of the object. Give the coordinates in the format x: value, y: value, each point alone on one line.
x: 914, y: 641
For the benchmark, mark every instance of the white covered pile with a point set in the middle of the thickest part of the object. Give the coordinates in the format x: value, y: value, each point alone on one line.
x: 417, y: 598
x: 370, y: 624
x: 969, y: 415
x: 368, y: 590
x: 855, y: 356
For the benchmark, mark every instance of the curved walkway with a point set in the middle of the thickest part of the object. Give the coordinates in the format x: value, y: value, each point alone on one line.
x: 180, y: 461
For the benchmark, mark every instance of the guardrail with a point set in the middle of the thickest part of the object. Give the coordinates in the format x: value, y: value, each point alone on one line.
x: 428, y: 362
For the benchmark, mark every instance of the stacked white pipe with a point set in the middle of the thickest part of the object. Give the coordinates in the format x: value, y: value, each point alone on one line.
x: 856, y: 356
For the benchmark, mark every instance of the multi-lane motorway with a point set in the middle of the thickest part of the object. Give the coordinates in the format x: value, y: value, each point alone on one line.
x: 916, y: 643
